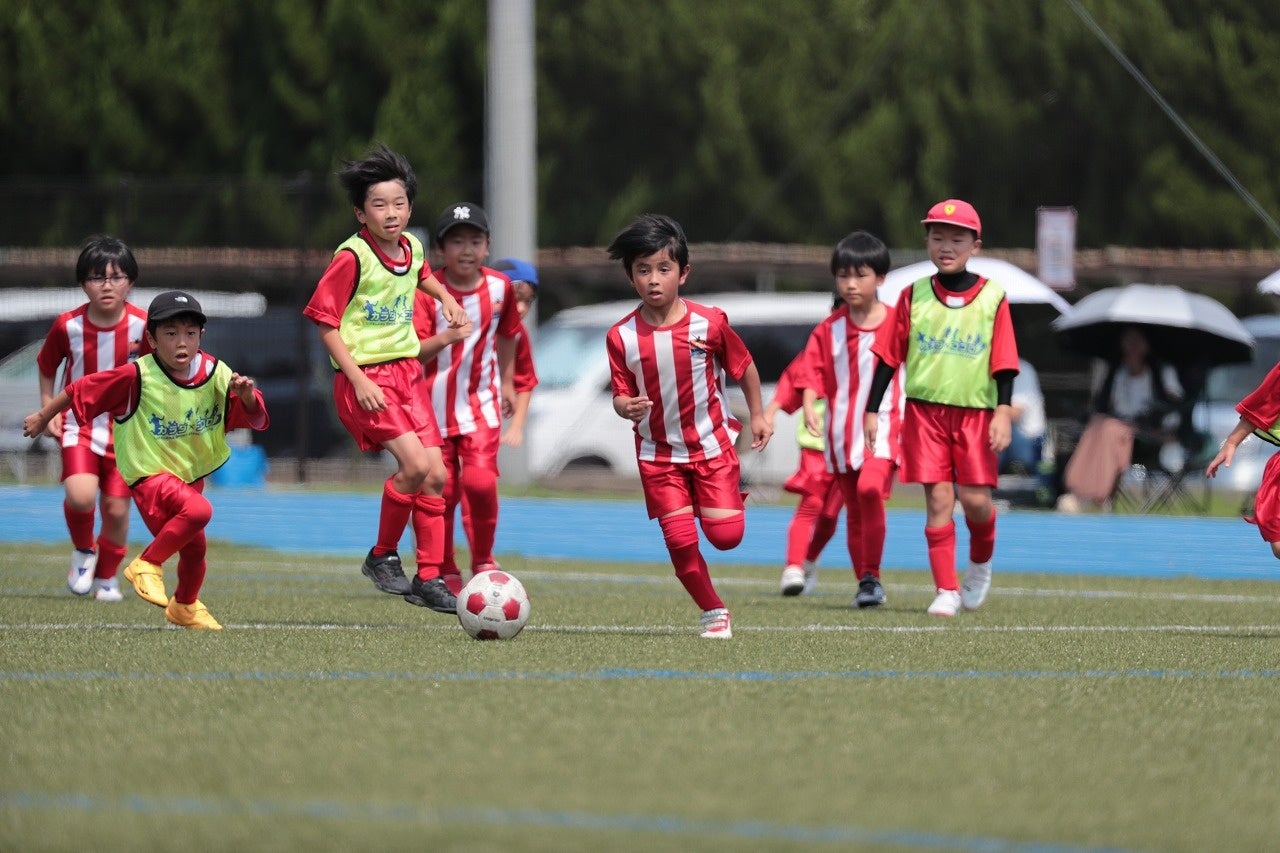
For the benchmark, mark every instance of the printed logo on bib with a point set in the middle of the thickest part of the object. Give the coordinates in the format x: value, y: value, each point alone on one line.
x: 399, y: 311
x: 194, y: 423
x: 950, y: 343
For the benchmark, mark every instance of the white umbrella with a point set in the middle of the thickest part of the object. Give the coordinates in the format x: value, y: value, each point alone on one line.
x: 1270, y: 284
x: 1019, y: 286
x: 1182, y: 327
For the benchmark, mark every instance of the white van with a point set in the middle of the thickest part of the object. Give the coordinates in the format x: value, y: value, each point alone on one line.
x: 1225, y: 386
x: 571, y: 419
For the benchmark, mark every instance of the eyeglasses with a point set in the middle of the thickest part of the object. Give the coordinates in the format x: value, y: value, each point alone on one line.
x: 118, y: 278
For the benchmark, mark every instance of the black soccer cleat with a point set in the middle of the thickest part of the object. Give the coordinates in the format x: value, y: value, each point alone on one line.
x: 433, y: 594
x: 386, y: 573
x: 870, y: 593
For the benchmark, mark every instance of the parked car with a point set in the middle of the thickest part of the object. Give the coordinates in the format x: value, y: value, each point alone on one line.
x: 1225, y: 386
x: 571, y: 419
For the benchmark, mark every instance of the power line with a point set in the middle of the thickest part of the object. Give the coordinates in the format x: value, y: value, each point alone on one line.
x: 1175, y: 118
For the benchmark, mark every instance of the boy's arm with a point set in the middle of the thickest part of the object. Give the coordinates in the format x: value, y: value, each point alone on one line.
x: 507, y: 370
x: 453, y: 312
x: 812, y: 422
x: 1227, y: 451
x: 249, y: 401
x: 632, y: 408
x: 35, y: 423
x: 513, y: 436
x: 431, y: 347
x: 54, y: 426
x: 368, y: 394
x: 761, y: 429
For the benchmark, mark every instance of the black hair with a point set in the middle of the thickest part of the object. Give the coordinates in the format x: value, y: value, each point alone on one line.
x: 860, y: 249
x: 650, y: 233
x: 378, y: 165
x: 99, y: 252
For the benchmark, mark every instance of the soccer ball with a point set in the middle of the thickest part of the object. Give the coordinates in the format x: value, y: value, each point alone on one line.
x: 493, y: 606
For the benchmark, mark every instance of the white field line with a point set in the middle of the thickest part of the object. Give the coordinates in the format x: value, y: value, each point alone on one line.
x: 1222, y: 630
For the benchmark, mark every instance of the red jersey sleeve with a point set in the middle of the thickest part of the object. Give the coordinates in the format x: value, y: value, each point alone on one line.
x: 335, y: 290
x: 892, y: 336
x: 509, y: 323
x: 526, y: 377
x: 620, y: 376
x: 56, y: 348
x: 1004, y: 347
x: 114, y: 392
x: 734, y: 354
x: 239, y: 418
x: 1262, y: 406
x: 424, y: 315
x: 788, y: 393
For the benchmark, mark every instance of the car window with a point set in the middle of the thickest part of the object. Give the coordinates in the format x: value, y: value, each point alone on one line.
x: 774, y: 346
x: 565, y: 353
x: 1234, y: 382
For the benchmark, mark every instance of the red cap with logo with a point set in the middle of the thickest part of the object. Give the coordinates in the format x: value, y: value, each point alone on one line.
x: 953, y: 211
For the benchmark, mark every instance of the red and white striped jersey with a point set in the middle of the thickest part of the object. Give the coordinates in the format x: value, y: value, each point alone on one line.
x: 681, y: 368
x: 86, y: 349
x: 463, y: 380
x: 839, y: 366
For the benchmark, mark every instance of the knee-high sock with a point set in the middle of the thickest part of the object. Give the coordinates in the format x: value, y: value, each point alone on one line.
x: 681, y: 536
x: 393, y: 519
x: 825, y: 527
x: 942, y: 555
x: 189, y: 514
x: 80, y: 526
x: 724, y: 533
x: 481, y: 487
x: 110, y: 556
x: 802, y: 529
x: 428, y: 534
x: 869, y: 491
x: 191, y: 570
x: 982, y: 538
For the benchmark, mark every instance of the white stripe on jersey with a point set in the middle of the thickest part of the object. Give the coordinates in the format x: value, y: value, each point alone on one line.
x: 457, y: 407
x: 92, y: 351
x: 846, y: 442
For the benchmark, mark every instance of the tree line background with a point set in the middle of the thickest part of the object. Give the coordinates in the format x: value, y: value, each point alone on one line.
x: 184, y: 122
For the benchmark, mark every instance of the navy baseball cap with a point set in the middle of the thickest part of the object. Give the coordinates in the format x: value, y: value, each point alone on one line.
x: 517, y: 270
x: 461, y: 213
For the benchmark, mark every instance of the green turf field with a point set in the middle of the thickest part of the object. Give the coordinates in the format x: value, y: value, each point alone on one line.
x: 1071, y: 713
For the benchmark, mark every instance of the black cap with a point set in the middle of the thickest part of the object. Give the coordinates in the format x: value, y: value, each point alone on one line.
x: 172, y: 303
x: 461, y: 213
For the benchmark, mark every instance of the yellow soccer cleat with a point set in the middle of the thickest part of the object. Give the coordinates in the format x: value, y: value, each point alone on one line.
x: 148, y: 581
x: 195, y: 616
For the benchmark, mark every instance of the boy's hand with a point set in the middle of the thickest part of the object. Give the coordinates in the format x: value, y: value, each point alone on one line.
x: 870, y: 426
x: 369, y: 395
x: 1000, y: 433
x: 761, y: 431
x: 634, y: 408
x: 812, y: 422
x: 508, y: 392
x: 1225, y: 454
x: 453, y: 312
x: 53, y: 429
x: 242, y: 387
x: 513, y: 437
x: 462, y: 331
x: 34, y: 424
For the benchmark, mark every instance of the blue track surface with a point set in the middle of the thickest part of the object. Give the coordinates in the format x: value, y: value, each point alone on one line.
x: 327, y: 523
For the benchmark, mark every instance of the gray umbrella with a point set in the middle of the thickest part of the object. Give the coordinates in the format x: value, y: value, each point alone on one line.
x: 1184, y: 328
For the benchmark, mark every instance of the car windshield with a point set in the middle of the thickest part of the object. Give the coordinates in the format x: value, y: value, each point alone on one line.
x: 1234, y: 382
x: 564, y: 353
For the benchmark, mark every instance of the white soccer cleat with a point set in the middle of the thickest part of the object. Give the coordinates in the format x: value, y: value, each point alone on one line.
x: 107, y: 589
x: 946, y: 604
x: 810, y: 576
x: 80, y: 578
x: 716, y: 625
x: 977, y: 583
x: 792, y: 580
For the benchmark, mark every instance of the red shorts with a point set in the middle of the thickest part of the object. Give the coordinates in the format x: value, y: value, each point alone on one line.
x: 407, y: 409
x: 711, y: 483
x: 162, y: 496
x: 79, y: 459
x: 1266, y: 506
x: 477, y: 449
x: 811, y: 477
x: 947, y: 444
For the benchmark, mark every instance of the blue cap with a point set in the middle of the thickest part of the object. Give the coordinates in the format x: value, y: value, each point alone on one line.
x: 517, y: 270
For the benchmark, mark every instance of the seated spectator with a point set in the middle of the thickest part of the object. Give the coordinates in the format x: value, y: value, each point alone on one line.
x: 1022, y: 456
x: 1133, y: 400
